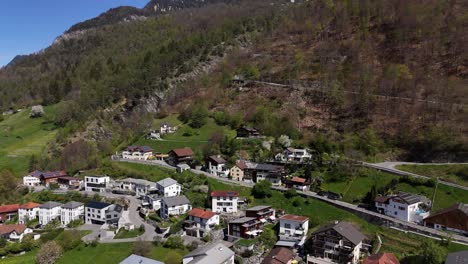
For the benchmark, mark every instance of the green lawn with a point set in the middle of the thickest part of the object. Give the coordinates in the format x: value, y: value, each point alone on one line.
x: 27, y: 258
x: 197, y: 138
x: 456, y: 173
x: 22, y: 136
x: 128, y: 234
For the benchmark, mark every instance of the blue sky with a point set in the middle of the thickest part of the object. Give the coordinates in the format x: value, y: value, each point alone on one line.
x: 27, y: 26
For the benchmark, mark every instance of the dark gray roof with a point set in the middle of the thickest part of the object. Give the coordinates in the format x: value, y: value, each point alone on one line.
x: 410, y: 198
x: 460, y: 257
x: 266, y: 167
x: 217, y: 159
x: 166, y: 182
x: 175, y: 201
x: 258, y: 208
x: 49, y: 205
x: 97, y: 205
x: 135, y: 259
x: 215, y: 253
x: 242, y: 220
x: 72, y: 205
x: 347, y: 230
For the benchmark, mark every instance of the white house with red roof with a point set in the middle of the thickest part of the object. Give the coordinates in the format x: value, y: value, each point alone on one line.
x: 28, y: 211
x: 292, y: 230
x: 8, y: 212
x: 297, y: 183
x: 14, y: 233
x: 224, y: 201
x: 137, y: 153
x: 200, y: 221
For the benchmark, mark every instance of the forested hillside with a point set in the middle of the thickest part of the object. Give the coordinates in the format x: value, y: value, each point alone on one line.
x: 363, y: 77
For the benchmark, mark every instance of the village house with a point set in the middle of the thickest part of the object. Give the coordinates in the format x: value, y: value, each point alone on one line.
x: 68, y: 182
x: 297, y: 183
x: 14, y: 233
x: 294, y: 155
x: 216, y: 165
x: 215, y: 253
x: 28, y: 211
x: 224, y: 201
x: 248, y: 132
x: 71, y: 211
x: 165, y: 128
x: 279, y: 255
x: 8, y: 212
x: 237, y: 171
x: 140, y: 187
x: 200, y: 221
x: 453, y: 219
x: 137, y: 153
x: 175, y: 205
x: 169, y: 187
x: 292, y: 230
x: 182, y: 167
x: 96, y: 183
x: 152, y: 202
x: 101, y: 213
x: 245, y: 227
x: 339, y: 242
x: 272, y: 173
x: 403, y: 206
x: 179, y: 156
x: 382, y: 258
x: 31, y: 181
x: 263, y: 213
x: 48, y: 212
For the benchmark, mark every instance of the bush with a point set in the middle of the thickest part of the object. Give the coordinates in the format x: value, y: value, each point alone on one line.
x: 290, y: 193
x: 174, y: 242
x: 262, y: 189
x: 297, y: 202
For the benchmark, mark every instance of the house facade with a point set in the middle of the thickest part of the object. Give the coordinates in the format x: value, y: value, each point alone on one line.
x: 102, y: 213
x: 169, y: 187
x: 28, y: 211
x: 200, y: 221
x: 403, y: 206
x: 272, y: 173
x: 247, y: 132
x: 175, y: 205
x: 137, y: 153
x: 14, y: 233
x: 48, y: 212
x: 453, y: 219
x: 297, y: 183
x: 8, y: 212
x: 293, y: 230
x: 224, y: 201
x: 179, y: 156
x: 139, y: 186
x: 71, y: 211
x: 279, y: 255
x: 237, y: 171
x: 31, y: 181
x: 339, y: 242
x: 245, y: 227
x: 67, y: 182
x: 216, y: 165
x: 96, y: 183
x: 47, y: 177
x: 263, y: 213
x: 382, y: 258
x: 294, y: 155
x: 215, y: 253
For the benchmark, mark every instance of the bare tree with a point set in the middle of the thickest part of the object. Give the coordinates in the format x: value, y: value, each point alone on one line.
x: 49, y: 253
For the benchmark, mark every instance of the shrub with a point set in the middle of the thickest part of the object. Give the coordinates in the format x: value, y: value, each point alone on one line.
x: 262, y: 189
x: 174, y: 242
x: 290, y: 194
x: 50, y: 252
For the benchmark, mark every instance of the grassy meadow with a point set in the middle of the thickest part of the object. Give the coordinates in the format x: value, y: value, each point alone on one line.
x: 456, y: 173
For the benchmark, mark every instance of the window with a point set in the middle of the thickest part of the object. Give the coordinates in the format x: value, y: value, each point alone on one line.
x: 401, y: 208
x: 286, y: 225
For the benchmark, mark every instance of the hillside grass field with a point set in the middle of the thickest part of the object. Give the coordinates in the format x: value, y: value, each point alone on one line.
x: 185, y: 136
x: 22, y: 136
x: 456, y: 173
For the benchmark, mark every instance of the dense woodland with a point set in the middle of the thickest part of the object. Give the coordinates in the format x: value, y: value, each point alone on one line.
x: 386, y: 75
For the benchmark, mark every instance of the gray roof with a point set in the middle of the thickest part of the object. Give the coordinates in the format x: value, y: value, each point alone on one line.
x: 175, y: 201
x: 345, y: 229
x: 410, y: 198
x: 135, y: 259
x: 49, y: 205
x: 460, y: 257
x: 242, y: 220
x: 72, y: 205
x: 138, y: 181
x: 167, y: 182
x: 258, y: 208
x: 213, y: 254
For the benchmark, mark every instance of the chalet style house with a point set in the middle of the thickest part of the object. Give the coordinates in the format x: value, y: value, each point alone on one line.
x: 243, y: 171
x: 248, y: 132
x: 454, y: 219
x: 404, y: 206
x: 294, y: 155
x: 340, y: 242
x: 42, y: 177
x: 279, y: 255
x: 216, y: 165
x: 14, y: 233
x: 245, y: 227
x: 200, y: 221
x: 180, y: 156
x: 263, y: 213
x: 297, y: 183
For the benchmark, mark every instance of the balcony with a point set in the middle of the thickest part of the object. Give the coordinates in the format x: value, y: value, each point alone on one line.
x: 96, y: 185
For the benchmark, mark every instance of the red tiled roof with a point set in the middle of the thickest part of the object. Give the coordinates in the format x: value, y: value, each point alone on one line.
x: 224, y: 194
x: 279, y: 255
x: 29, y: 205
x: 9, y: 208
x: 200, y: 213
x: 298, y: 179
x: 382, y: 258
x: 183, y: 152
x: 297, y: 218
x: 241, y: 164
x: 7, y: 229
